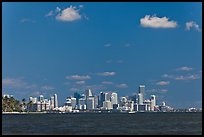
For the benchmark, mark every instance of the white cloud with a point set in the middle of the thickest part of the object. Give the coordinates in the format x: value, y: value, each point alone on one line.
x: 107, y: 45
x: 156, y: 91
x: 24, y: 20
x: 189, y: 77
x: 74, y: 89
x: 107, y: 74
x: 157, y: 22
x: 16, y: 83
x: 69, y: 14
x: 80, y: 82
x: 78, y: 77
x: 192, y: 24
x: 163, y: 83
x: 184, y: 68
x: 46, y: 87
x: 167, y: 76
x: 49, y: 14
x: 123, y: 85
x: 107, y: 82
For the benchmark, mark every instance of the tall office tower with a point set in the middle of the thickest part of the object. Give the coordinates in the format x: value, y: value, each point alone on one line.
x: 142, y: 91
x: 102, y: 98
x: 55, y: 101
x: 96, y: 101
x: 107, y: 105
x: 140, y: 99
x: 114, y: 98
x: 107, y: 97
x: 90, y: 103
x: 123, y: 101
x: 41, y: 98
x: 73, y: 102
x: 153, y: 102
x: 52, y: 102
x: 88, y: 93
x: 68, y: 101
x: 77, y: 96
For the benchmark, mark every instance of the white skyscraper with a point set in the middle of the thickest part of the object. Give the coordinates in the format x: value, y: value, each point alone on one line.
x: 140, y: 99
x: 52, y: 103
x: 153, y: 102
x: 55, y: 101
x: 88, y: 93
x: 114, y: 98
x: 90, y: 103
x: 142, y: 92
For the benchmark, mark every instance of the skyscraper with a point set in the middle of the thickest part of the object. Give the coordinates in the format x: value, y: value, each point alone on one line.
x: 55, y: 101
x: 140, y: 99
x: 142, y: 90
x: 52, y: 102
x: 88, y: 93
x: 114, y: 98
x: 153, y: 102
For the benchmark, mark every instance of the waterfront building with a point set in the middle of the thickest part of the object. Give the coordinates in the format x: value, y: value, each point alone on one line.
x: 102, y: 99
x: 90, y: 103
x: 77, y: 96
x: 107, y: 105
x: 140, y: 99
x: 123, y: 101
x: 153, y: 102
x: 114, y: 98
x: 142, y: 92
x: 52, y: 102
x: 96, y: 101
x: 55, y: 101
x: 41, y: 98
x: 88, y: 93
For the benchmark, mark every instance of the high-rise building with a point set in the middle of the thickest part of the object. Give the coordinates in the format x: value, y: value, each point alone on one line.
x: 55, y: 101
x: 52, y: 102
x: 90, y: 103
x: 153, y: 102
x: 41, y: 98
x: 88, y: 93
x: 140, y: 99
x: 77, y: 96
x: 102, y: 99
x: 114, y: 98
x: 142, y: 91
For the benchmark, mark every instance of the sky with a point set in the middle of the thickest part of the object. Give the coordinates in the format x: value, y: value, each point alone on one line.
x: 67, y: 47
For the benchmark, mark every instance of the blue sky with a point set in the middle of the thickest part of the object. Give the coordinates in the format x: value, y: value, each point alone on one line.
x: 66, y: 47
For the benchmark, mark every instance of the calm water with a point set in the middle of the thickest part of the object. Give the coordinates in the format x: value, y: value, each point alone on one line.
x: 103, y: 124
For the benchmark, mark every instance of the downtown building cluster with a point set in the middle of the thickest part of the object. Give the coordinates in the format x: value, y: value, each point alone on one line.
x: 42, y: 104
x: 109, y: 101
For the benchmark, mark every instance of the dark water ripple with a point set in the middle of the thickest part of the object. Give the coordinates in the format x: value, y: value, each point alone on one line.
x: 104, y: 124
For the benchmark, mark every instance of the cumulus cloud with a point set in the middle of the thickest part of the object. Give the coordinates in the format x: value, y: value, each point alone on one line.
x: 16, y: 83
x: 107, y: 82
x: 189, y: 77
x: 184, y: 68
x: 183, y: 77
x: 123, y: 85
x: 157, y: 22
x: 156, y: 90
x: 69, y: 14
x: 163, y: 83
x: 80, y: 82
x: 107, y: 74
x: 192, y: 24
x: 46, y: 87
x: 78, y: 77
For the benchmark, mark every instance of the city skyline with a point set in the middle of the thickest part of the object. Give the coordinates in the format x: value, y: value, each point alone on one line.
x: 69, y: 47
